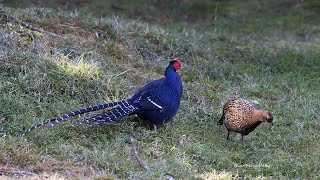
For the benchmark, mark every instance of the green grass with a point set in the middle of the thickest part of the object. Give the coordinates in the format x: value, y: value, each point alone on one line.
x: 262, y: 52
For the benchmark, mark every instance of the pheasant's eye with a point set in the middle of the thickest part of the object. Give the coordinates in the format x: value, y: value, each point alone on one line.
x: 177, y: 65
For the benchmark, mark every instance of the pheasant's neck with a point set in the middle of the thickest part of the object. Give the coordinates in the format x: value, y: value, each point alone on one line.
x: 170, y: 73
x: 258, y: 115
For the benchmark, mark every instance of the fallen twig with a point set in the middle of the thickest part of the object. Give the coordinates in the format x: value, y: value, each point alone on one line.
x: 31, y: 27
x: 153, y: 54
x: 122, y: 73
x: 137, y: 156
x: 13, y: 172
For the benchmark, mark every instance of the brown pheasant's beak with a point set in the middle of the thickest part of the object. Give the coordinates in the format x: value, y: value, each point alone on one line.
x: 269, y: 125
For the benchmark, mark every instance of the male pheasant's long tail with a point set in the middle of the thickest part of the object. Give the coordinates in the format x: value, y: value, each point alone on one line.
x: 54, y: 121
x: 123, y: 108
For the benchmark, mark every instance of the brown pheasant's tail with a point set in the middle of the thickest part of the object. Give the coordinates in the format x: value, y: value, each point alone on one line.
x: 220, y: 122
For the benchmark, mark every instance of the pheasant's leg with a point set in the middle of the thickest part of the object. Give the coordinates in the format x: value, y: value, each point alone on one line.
x: 228, y: 138
x: 241, y: 140
x: 155, y: 128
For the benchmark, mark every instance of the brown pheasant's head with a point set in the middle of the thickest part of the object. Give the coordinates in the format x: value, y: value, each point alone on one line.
x: 267, y: 117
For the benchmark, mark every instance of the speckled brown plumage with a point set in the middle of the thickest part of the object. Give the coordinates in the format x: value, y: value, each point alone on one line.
x: 243, y: 116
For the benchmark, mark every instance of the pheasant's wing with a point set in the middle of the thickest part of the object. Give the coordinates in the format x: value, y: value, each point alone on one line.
x: 146, y: 96
x: 148, y: 100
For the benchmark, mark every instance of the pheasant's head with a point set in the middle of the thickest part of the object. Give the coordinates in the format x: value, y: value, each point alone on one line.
x: 176, y: 64
x: 267, y: 117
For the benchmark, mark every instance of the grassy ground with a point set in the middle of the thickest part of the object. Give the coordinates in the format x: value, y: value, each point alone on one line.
x: 263, y: 52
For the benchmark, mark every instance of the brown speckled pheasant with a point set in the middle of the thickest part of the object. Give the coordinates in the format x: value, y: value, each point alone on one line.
x: 243, y: 117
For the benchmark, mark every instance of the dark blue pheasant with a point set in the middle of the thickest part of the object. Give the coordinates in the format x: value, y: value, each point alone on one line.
x: 156, y: 103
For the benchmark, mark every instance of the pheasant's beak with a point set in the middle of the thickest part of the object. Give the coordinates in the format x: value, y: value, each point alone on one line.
x: 270, y: 124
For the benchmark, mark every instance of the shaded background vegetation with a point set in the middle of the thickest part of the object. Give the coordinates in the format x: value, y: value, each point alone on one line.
x: 184, y: 10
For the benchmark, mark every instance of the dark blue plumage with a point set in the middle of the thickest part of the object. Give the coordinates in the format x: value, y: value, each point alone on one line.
x: 156, y: 103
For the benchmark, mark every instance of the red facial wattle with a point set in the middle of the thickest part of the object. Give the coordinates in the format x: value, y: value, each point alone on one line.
x: 177, y: 65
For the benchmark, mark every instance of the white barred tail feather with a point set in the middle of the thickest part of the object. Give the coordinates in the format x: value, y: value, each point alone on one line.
x: 54, y: 121
x: 123, y: 108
